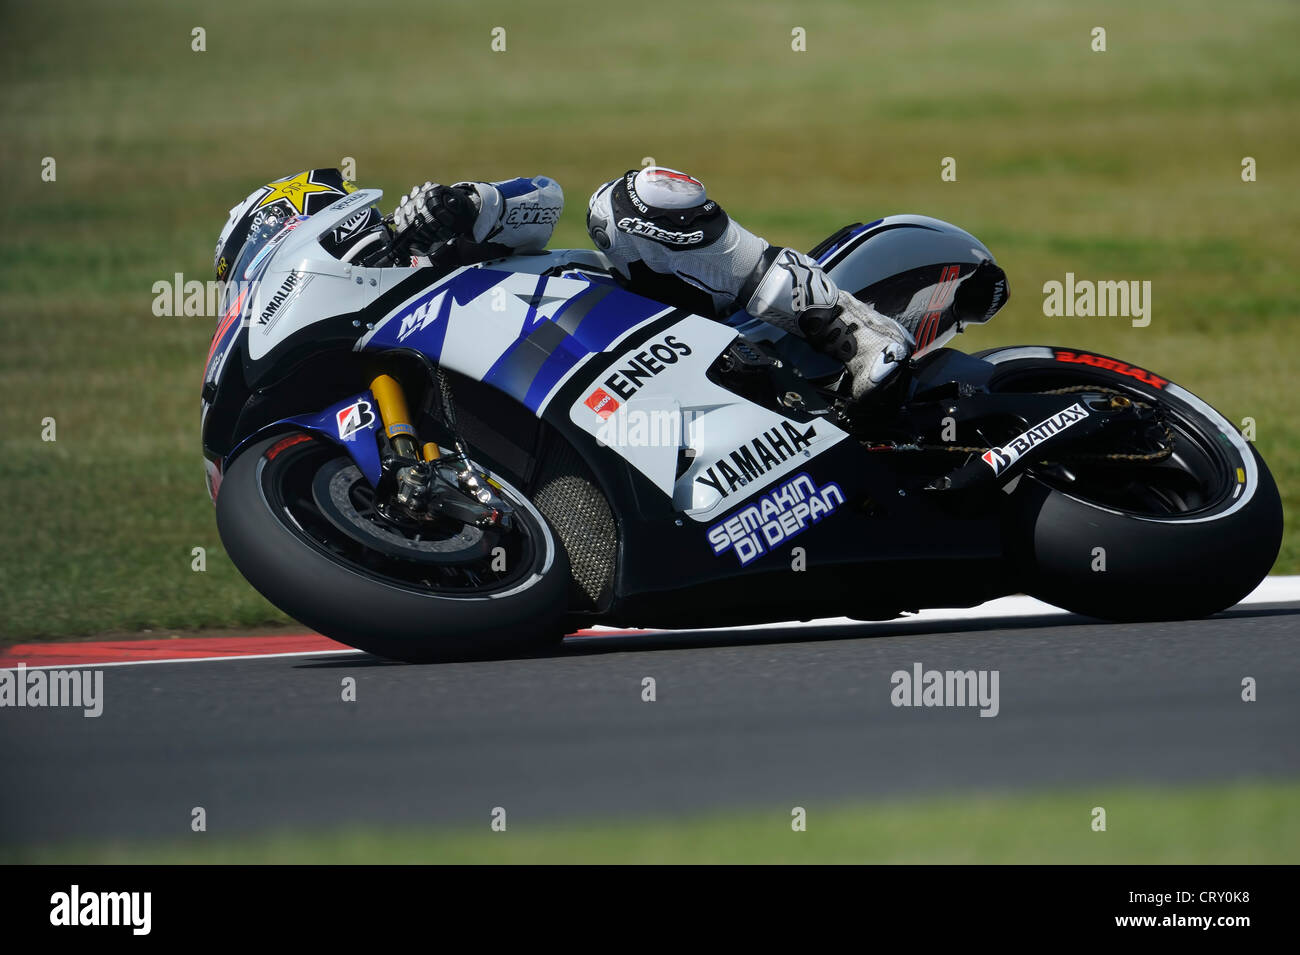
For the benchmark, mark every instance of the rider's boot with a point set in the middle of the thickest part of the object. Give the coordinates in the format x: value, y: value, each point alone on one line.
x: 795, y: 295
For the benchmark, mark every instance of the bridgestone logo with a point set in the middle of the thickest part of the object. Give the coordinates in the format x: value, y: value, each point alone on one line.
x: 999, y: 459
x: 652, y: 231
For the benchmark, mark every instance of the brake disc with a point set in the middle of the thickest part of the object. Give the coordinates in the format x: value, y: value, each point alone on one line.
x: 337, y: 486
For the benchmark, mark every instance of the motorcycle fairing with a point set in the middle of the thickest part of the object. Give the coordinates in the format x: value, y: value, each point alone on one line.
x: 548, y: 342
x: 909, y: 267
x: 527, y: 334
x: 326, y: 286
x: 876, y: 526
x: 670, y: 410
x: 522, y: 334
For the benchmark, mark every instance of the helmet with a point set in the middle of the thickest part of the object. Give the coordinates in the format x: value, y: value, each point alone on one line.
x: 267, y: 211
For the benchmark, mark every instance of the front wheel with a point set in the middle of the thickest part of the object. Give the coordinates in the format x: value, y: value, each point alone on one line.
x: 1132, y: 535
x: 300, y: 523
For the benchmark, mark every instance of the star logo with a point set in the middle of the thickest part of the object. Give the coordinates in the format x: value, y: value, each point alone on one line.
x: 294, y: 189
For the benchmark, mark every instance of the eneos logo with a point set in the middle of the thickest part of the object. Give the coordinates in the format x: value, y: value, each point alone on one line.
x: 601, y: 402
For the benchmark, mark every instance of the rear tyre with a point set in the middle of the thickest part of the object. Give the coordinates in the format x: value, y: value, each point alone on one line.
x: 1182, y: 538
x: 417, y: 601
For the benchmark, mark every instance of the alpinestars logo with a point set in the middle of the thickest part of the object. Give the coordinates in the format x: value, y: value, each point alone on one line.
x: 807, y: 288
x: 532, y: 213
x: 355, y: 417
x: 637, y: 226
x: 755, y: 458
x: 774, y: 518
x: 999, y: 459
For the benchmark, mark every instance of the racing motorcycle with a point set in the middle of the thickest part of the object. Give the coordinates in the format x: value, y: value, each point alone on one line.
x: 448, y: 461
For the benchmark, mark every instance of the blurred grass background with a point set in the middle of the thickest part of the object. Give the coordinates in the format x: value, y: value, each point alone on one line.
x: 1247, y: 823
x: 1117, y: 165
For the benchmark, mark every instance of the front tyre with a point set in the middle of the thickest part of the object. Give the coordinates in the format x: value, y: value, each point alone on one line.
x: 1182, y: 537
x: 296, y: 520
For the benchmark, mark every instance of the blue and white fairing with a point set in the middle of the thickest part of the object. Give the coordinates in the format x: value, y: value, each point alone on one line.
x: 529, y: 335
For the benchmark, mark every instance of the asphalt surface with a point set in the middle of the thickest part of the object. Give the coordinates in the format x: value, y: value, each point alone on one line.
x: 773, y: 718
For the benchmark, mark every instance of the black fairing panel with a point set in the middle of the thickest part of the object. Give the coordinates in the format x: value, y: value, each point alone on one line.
x: 931, y: 276
x: 898, y: 245
x: 881, y: 552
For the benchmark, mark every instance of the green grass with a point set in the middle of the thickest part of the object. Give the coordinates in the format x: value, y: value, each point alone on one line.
x: 1123, y: 164
x: 1244, y: 823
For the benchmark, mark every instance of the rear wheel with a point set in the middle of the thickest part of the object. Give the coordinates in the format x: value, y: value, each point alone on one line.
x: 301, y: 524
x: 1126, y: 531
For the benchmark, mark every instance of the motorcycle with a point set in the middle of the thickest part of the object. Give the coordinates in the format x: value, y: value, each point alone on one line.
x: 451, y: 461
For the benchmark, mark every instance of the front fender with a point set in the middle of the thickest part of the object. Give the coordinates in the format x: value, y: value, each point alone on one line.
x: 353, y: 424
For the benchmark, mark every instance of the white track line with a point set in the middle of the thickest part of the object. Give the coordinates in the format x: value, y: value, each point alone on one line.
x: 1273, y: 590
x: 141, y: 663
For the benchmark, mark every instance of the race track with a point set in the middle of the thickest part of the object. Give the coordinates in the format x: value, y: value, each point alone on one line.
x: 778, y: 716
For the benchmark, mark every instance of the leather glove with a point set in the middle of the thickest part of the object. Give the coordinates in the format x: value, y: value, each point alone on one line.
x: 433, y: 213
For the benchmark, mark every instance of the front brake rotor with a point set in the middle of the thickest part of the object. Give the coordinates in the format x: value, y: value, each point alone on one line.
x: 347, y: 501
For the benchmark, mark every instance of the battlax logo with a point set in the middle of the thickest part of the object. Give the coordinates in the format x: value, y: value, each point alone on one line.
x: 756, y: 457
x: 355, y: 417
x: 1110, y: 364
x: 999, y: 459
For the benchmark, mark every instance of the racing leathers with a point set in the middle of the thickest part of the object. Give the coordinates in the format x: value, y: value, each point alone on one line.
x: 664, y: 238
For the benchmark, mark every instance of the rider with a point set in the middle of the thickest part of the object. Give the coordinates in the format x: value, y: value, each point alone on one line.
x: 669, y: 241
x: 664, y: 236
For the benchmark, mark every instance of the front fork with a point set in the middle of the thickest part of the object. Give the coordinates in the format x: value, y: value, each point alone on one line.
x: 420, y: 487
x: 396, y: 416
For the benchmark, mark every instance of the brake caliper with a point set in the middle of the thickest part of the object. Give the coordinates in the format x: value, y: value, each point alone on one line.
x: 425, y: 485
